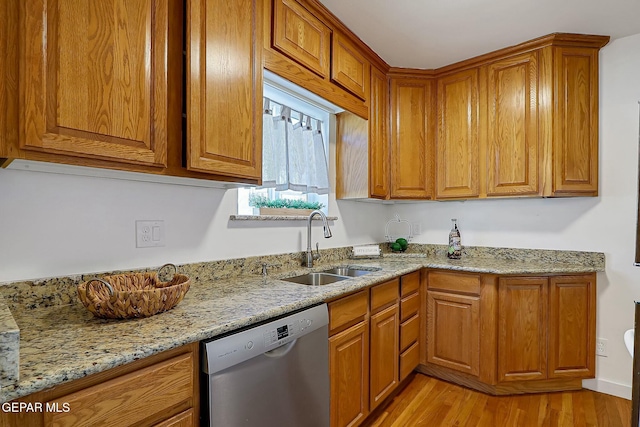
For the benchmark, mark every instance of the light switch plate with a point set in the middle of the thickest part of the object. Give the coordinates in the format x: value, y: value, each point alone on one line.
x: 149, y: 234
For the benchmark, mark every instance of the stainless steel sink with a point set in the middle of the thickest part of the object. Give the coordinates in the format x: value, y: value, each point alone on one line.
x: 349, y: 271
x: 316, y: 279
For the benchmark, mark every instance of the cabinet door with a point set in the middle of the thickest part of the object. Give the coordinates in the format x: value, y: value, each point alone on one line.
x: 93, y: 79
x: 349, y: 68
x: 378, y: 135
x: 572, y: 326
x: 512, y: 126
x: 8, y: 77
x: 522, y: 329
x: 411, y: 138
x: 301, y: 36
x: 575, y: 139
x: 224, y: 87
x: 453, y: 328
x: 349, y: 373
x: 457, y: 146
x: 385, y: 330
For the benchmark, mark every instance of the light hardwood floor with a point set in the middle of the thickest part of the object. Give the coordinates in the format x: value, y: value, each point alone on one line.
x: 430, y: 402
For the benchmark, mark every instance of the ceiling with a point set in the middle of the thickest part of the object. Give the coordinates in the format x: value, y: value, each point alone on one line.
x: 434, y: 33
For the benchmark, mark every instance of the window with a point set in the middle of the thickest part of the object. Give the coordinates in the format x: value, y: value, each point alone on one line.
x: 298, y: 119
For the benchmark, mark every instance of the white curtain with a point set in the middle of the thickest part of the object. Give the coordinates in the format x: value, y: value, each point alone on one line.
x: 293, y: 153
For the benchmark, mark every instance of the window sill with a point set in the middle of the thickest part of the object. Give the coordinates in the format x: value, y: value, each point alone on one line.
x: 277, y: 218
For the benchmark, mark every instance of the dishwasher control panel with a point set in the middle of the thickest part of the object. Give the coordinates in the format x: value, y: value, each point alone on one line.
x: 227, y: 351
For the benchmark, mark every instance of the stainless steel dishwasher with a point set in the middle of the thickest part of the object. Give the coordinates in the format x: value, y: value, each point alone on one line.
x: 274, y: 374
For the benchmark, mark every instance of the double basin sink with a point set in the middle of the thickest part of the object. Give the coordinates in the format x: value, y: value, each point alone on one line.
x: 330, y: 276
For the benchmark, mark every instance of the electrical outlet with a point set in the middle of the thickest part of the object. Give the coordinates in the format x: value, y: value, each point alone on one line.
x: 149, y: 234
x: 601, y: 347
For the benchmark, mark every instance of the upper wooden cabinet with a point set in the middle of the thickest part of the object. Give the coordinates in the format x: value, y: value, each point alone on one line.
x: 224, y: 87
x: 307, y: 45
x: 511, y: 114
x: 379, y: 179
x: 575, y: 121
x: 349, y: 67
x: 457, y: 152
x: 412, y: 131
x: 359, y: 141
x: 301, y: 36
x: 8, y: 78
x: 93, y: 79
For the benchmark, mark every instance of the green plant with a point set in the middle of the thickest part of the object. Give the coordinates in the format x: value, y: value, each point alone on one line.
x: 258, y: 201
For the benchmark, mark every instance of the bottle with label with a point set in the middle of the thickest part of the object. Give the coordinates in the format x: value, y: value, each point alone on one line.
x: 455, y: 244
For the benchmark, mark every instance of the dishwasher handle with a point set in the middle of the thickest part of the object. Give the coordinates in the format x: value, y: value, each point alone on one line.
x: 281, y: 351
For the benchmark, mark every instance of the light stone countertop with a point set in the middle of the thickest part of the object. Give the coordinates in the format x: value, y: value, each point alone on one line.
x: 63, y: 341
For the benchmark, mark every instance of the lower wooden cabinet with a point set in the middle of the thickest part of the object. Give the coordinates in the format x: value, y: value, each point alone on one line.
x: 373, y: 345
x: 522, y: 326
x: 384, y: 351
x: 572, y: 327
x: 159, y: 390
x: 349, y: 373
x: 454, y: 331
x: 511, y: 334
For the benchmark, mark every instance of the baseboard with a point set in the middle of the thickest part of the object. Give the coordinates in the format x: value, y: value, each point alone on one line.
x: 608, y: 387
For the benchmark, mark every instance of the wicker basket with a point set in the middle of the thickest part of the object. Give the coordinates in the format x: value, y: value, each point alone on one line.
x: 126, y: 296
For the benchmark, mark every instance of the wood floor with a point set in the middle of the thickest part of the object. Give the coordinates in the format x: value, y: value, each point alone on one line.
x: 430, y: 402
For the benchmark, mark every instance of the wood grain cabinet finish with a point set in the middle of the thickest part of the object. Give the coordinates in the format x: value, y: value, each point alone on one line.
x: 379, y: 179
x: 349, y: 68
x: 160, y: 390
x: 385, y: 331
x: 9, y: 16
x: 93, y: 79
x: 453, y: 331
x: 522, y: 329
x: 359, y: 140
x: 301, y: 36
x: 457, y: 146
x: 513, y: 146
x: 349, y: 373
x: 224, y: 87
x: 411, y: 319
x: 412, y: 136
x: 572, y: 310
x: 529, y: 333
x: 575, y: 130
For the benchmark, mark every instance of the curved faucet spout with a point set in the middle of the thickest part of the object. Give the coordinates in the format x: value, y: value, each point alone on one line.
x: 327, y: 233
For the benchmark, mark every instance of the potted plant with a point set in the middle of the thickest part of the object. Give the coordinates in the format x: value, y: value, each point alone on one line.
x: 283, y: 207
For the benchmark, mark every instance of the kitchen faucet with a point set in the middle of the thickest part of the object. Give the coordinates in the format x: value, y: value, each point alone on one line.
x: 327, y: 233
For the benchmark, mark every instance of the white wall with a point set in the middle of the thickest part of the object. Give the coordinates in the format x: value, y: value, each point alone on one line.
x: 603, y: 224
x: 54, y: 225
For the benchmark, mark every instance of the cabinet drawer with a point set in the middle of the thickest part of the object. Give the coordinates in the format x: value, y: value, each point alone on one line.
x: 183, y: 419
x: 454, y: 282
x: 410, y: 283
x: 128, y: 399
x: 384, y: 294
x: 409, y: 359
x: 348, y: 310
x: 409, y: 332
x: 409, y: 306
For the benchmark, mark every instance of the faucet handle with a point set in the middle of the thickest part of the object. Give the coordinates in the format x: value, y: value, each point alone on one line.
x: 265, y: 266
x: 317, y: 254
